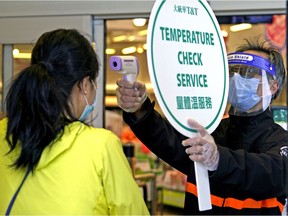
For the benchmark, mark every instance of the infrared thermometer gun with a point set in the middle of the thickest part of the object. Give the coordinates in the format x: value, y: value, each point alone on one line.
x: 125, y: 65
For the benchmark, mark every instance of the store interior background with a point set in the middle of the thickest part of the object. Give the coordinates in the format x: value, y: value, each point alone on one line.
x: 122, y: 34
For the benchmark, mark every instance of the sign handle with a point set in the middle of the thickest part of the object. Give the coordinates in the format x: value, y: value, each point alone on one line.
x: 203, y: 186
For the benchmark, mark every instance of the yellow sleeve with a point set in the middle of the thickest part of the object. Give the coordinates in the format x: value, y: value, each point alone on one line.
x: 123, y: 195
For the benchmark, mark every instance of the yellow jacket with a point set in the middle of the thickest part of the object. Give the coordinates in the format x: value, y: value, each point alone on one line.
x: 83, y: 173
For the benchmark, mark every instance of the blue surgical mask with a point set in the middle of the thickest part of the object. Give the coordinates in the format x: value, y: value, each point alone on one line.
x: 243, y: 92
x: 88, y: 108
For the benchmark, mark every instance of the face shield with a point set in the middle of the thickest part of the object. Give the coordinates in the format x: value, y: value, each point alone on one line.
x: 249, y: 83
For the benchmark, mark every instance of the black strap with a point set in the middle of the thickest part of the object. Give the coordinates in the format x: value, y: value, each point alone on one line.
x: 16, y: 193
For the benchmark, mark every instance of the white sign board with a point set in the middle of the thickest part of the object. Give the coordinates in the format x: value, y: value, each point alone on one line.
x: 188, y: 66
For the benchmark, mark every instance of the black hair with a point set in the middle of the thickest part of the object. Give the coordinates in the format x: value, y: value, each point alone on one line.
x: 275, y: 58
x: 38, y: 101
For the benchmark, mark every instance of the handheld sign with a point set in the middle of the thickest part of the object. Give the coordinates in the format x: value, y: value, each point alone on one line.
x: 188, y: 68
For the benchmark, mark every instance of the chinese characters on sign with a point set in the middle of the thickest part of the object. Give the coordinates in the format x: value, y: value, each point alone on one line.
x: 193, y: 102
x: 185, y: 9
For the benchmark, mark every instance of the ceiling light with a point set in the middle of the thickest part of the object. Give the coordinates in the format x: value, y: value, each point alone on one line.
x: 144, y: 46
x: 18, y: 55
x: 129, y: 50
x: 119, y: 38
x: 139, y: 22
x: 142, y: 32
x: 111, y: 100
x: 240, y: 27
x: 224, y: 33
x: 110, y: 51
x: 131, y: 38
x: 15, y: 52
x: 140, y: 50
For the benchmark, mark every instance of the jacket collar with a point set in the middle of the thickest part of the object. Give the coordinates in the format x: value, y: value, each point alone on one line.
x: 252, y: 120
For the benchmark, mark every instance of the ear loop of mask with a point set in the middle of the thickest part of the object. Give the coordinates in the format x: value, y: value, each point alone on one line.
x: 95, y: 102
x: 95, y: 99
x: 85, y: 98
x: 88, y: 108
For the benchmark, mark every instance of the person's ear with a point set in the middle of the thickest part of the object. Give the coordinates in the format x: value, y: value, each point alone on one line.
x: 274, y: 87
x: 84, y: 85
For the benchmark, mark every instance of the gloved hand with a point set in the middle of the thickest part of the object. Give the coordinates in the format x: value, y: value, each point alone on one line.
x: 130, y: 96
x: 202, y: 147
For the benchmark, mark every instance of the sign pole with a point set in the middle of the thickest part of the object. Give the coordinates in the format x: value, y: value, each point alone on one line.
x: 203, y: 187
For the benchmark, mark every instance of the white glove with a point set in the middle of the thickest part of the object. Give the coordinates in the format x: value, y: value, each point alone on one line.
x: 130, y: 96
x: 202, y: 147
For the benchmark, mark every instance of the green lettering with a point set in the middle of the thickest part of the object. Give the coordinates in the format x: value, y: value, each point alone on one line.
x: 179, y: 80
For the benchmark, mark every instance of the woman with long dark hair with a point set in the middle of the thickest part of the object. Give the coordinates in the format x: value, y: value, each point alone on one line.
x: 51, y: 162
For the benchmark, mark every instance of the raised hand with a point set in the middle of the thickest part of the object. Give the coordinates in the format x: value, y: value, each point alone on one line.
x: 130, y: 96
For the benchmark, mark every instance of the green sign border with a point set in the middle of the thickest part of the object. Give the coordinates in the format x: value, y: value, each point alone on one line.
x: 224, y: 63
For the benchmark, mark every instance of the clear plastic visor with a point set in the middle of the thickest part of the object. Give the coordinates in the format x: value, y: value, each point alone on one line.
x: 246, y: 71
